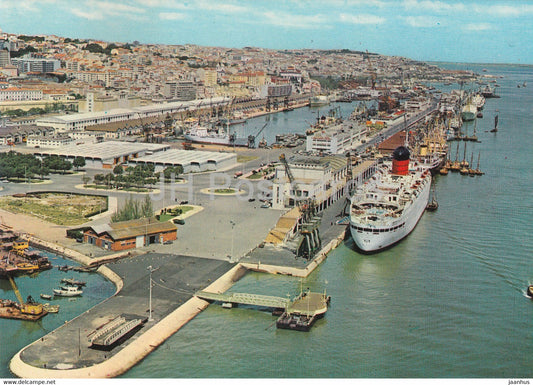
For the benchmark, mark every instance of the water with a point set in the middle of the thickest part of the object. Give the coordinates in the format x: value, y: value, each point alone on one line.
x: 447, y: 302
x: 296, y: 121
x: 17, y: 334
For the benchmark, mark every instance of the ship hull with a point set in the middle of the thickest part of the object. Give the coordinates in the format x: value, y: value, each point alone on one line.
x: 468, y: 116
x: 379, y: 238
x: 222, y: 141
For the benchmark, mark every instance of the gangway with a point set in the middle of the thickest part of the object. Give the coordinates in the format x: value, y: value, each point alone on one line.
x: 245, y: 299
x: 300, y: 313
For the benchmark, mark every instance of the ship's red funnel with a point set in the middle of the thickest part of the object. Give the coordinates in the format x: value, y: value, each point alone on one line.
x: 400, y: 161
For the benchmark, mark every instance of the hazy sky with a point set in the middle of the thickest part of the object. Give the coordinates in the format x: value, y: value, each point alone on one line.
x: 465, y: 31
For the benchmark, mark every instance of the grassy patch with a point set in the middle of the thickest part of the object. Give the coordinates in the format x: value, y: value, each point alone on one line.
x: 57, y: 208
x: 245, y: 158
x: 25, y: 180
x: 174, y: 212
x: 104, y: 187
x: 225, y: 191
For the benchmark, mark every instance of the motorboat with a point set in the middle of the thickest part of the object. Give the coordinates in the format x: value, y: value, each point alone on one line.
x: 68, y: 291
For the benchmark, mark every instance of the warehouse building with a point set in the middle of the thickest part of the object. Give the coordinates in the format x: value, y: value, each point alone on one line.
x: 104, y: 155
x: 191, y: 161
x: 132, y: 234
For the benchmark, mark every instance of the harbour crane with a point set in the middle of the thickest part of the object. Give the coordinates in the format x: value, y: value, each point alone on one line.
x: 147, y: 131
x: 251, y: 138
x: 371, y: 70
x: 30, y: 307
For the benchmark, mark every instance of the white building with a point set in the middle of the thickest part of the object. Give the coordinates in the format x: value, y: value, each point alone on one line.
x: 20, y: 94
x: 322, y: 179
x: 335, y: 140
x: 65, y: 123
x: 39, y: 141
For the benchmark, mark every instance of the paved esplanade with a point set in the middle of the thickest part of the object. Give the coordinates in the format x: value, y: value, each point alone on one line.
x: 175, y: 281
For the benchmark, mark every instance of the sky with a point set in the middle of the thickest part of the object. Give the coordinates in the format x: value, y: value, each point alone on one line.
x: 480, y: 31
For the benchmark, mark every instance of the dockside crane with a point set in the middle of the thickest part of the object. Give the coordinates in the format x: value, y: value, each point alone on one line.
x: 30, y: 307
x: 251, y: 138
x: 371, y: 70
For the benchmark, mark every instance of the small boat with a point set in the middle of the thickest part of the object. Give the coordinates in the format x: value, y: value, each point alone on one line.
x: 433, y: 204
x: 495, y: 129
x: 26, y: 267
x: 51, y: 308
x: 530, y: 291
x: 86, y: 269
x: 68, y: 291
x: 73, y: 282
x: 46, y: 296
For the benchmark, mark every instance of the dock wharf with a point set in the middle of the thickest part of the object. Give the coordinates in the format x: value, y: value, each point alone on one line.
x: 298, y: 314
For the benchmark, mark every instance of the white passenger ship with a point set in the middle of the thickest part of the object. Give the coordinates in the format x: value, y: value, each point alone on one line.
x: 387, y: 207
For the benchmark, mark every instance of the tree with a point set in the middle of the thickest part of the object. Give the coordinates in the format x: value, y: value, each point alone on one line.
x: 85, y: 179
x: 78, y: 162
x: 147, y: 208
x: 118, y: 170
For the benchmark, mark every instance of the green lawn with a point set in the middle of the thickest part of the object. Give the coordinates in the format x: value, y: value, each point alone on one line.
x: 167, y: 216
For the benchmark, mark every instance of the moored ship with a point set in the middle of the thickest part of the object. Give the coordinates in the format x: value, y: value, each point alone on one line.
x: 387, y: 207
x: 319, y: 100
x: 469, y: 112
x: 200, y: 134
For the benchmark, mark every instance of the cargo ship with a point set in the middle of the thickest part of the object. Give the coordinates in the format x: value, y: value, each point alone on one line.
x: 201, y: 134
x: 388, y: 206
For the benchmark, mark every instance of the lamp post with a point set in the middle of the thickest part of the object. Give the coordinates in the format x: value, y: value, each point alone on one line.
x: 151, y: 269
x: 232, y: 236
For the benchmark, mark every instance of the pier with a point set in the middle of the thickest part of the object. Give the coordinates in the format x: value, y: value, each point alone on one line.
x: 299, y: 313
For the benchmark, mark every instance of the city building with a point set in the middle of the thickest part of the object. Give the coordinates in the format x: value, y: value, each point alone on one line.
x: 180, y: 90
x: 28, y: 63
x: 5, y: 58
x: 20, y: 94
x: 51, y: 141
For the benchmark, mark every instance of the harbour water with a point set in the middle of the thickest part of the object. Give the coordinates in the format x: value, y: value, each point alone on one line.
x: 17, y: 334
x: 447, y: 302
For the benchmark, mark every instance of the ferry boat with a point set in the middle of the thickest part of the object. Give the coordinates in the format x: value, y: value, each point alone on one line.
x: 388, y: 206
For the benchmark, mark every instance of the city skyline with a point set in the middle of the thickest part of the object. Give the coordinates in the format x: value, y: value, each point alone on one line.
x: 462, y: 31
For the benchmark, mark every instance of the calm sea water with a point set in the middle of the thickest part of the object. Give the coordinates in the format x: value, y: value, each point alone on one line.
x: 16, y: 334
x: 448, y: 301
